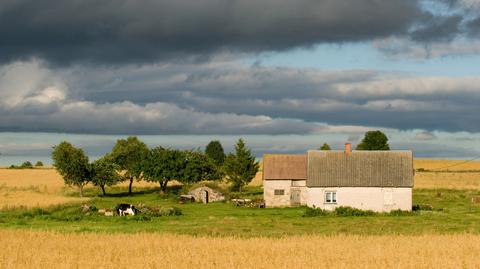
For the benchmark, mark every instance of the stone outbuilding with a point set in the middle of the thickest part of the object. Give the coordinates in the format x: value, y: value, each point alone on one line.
x: 206, y: 195
x: 370, y: 180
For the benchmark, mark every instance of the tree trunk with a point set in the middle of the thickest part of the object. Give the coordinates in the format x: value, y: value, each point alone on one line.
x: 81, y: 190
x: 163, y: 186
x: 130, y: 186
x: 103, y: 189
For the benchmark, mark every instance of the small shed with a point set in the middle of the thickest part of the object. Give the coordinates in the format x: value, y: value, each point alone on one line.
x: 206, y: 195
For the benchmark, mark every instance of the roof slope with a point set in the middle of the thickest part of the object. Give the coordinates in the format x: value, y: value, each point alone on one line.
x: 360, y: 169
x: 284, y: 166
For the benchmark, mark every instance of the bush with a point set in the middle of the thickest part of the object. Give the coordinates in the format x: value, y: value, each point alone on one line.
x: 424, y: 207
x: 39, y: 164
x: 346, y: 211
x: 314, y: 212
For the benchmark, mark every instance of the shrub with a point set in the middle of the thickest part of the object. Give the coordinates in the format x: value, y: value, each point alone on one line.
x: 346, y: 211
x: 314, y: 212
x: 424, y: 207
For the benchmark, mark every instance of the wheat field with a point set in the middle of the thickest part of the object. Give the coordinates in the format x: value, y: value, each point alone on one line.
x: 29, y: 249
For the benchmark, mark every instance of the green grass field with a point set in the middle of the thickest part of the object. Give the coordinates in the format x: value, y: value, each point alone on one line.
x: 453, y: 212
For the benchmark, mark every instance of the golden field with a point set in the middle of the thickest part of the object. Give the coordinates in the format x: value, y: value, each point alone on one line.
x: 458, y: 174
x: 39, y: 187
x: 28, y: 249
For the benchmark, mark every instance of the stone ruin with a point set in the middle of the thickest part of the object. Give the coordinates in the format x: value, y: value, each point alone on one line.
x: 206, y: 195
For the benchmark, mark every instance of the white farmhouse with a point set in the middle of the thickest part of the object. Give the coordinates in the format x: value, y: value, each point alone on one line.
x: 370, y: 180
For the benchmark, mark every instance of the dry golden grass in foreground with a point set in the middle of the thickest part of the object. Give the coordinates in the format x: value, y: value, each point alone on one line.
x: 27, y: 249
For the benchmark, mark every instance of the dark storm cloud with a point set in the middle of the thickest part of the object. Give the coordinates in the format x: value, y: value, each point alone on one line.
x: 126, y: 31
x: 474, y: 27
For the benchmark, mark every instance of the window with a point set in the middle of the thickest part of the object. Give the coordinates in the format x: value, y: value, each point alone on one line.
x: 279, y: 192
x: 330, y: 197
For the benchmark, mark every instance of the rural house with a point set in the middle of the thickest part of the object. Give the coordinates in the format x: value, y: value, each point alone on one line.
x: 371, y: 180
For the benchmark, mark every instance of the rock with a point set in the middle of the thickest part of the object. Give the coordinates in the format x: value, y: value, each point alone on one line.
x: 102, y: 211
x: 108, y: 213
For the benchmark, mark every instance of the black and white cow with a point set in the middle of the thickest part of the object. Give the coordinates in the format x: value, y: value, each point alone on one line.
x: 126, y: 209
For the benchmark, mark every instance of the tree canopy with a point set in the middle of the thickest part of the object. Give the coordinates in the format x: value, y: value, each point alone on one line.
x: 104, y: 173
x: 128, y: 155
x: 374, y: 140
x: 198, y: 167
x: 163, y: 165
x: 325, y: 146
x: 214, y: 150
x: 72, y: 164
x: 241, y: 167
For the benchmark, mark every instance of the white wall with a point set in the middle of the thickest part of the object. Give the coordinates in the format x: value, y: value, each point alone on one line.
x: 272, y: 200
x: 376, y: 199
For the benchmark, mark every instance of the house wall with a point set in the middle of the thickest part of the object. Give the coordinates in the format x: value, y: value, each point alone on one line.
x: 272, y: 200
x: 366, y: 198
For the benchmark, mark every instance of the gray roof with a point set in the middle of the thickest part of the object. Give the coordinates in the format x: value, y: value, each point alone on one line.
x: 360, y: 169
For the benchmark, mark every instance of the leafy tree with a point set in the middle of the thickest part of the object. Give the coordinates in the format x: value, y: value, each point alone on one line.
x: 325, y: 146
x: 198, y: 167
x: 374, y: 140
x: 72, y: 164
x: 104, y: 172
x: 241, y: 167
x: 214, y: 150
x: 26, y: 164
x: 128, y: 154
x: 39, y: 164
x: 163, y: 165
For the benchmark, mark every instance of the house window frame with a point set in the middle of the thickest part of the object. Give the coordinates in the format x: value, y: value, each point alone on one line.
x: 279, y: 192
x: 332, y: 199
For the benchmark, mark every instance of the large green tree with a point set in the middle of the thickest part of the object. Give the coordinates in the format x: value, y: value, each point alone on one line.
x: 240, y: 167
x: 374, y: 140
x: 163, y: 165
x: 214, y: 150
x: 104, y: 172
x: 72, y: 164
x: 128, y: 154
x: 198, y: 167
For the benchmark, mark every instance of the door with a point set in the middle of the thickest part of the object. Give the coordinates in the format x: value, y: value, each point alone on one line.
x: 295, y: 197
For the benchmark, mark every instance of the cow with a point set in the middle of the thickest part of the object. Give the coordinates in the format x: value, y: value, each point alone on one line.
x: 126, y: 209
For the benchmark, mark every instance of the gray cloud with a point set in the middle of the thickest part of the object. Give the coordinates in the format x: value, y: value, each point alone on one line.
x: 425, y: 136
x: 140, y: 31
x: 230, y: 98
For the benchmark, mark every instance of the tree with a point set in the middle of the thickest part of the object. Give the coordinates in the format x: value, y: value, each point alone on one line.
x: 241, y: 167
x: 163, y: 165
x: 128, y: 155
x: 26, y: 164
x: 72, y: 164
x: 325, y: 146
x: 214, y: 150
x: 39, y: 164
x: 198, y: 167
x: 374, y: 140
x: 104, y: 172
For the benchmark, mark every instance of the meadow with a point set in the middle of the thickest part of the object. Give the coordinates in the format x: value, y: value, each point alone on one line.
x: 445, y: 233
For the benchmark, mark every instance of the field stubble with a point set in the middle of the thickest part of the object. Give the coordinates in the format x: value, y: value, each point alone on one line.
x: 22, y: 249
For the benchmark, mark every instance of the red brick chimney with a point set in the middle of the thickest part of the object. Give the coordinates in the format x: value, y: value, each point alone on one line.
x: 348, y: 147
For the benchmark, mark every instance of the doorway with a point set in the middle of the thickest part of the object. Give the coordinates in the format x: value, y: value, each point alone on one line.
x: 205, y: 197
x: 295, y: 197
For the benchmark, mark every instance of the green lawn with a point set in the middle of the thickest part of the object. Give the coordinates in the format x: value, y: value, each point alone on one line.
x: 453, y: 212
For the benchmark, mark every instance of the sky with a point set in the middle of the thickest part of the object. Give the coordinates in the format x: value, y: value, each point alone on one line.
x: 287, y: 75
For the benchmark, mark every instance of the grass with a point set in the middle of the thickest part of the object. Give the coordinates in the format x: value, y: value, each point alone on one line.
x: 146, y: 250
x: 453, y: 212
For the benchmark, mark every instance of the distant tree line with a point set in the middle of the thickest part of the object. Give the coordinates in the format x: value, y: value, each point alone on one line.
x: 132, y: 160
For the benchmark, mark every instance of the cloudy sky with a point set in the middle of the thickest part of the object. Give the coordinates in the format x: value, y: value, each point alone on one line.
x: 289, y: 75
